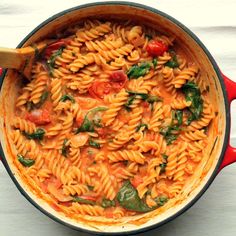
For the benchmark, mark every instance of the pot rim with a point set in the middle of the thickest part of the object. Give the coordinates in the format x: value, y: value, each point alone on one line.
x: 226, y: 104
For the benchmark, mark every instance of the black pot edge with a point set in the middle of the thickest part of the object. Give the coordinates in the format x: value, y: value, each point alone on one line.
x: 227, y: 112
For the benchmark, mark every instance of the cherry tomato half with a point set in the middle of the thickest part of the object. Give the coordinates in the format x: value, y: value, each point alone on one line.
x: 39, y: 117
x: 99, y: 89
x: 118, y: 79
x: 156, y: 48
x: 118, y: 76
x: 53, y: 47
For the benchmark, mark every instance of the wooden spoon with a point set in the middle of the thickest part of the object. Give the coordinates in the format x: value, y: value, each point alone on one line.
x: 21, y: 59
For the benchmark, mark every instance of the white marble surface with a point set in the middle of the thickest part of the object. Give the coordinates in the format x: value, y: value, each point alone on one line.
x: 214, y: 22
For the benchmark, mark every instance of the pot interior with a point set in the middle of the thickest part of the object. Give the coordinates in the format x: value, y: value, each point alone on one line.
x: 193, y: 49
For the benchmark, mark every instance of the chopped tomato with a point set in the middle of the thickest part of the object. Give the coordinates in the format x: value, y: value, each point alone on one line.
x: 48, y: 106
x: 55, y: 207
x: 118, y: 79
x: 57, y: 183
x: 136, y: 181
x: 145, y: 104
x: 53, y: 47
x: 99, y: 89
x: 103, y: 132
x: 39, y: 116
x: 79, y: 121
x: 118, y: 76
x: 66, y: 204
x: 109, y: 213
x: 90, y: 198
x: 63, y: 64
x: 156, y: 48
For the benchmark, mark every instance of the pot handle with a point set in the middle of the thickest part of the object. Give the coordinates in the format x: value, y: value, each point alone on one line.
x: 1, y: 70
x: 230, y: 154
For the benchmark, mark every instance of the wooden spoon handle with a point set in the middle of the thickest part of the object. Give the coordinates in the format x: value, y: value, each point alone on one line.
x: 11, y: 58
x: 18, y: 58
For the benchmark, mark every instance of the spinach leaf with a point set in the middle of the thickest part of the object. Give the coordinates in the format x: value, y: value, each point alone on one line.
x: 153, y: 98
x: 92, y: 143
x: 144, y: 96
x: 90, y: 187
x: 25, y: 161
x: 30, y: 105
x: 108, y: 203
x: 154, y: 62
x: 163, y: 168
x: 148, y: 36
x: 97, y: 122
x: 52, y: 59
x: 87, y: 126
x: 67, y: 97
x: 192, y: 93
x: 88, y: 122
x: 173, y: 63
x: 84, y: 201
x: 43, y: 98
x: 169, y: 133
x: 64, y: 148
x: 177, y: 115
x: 140, y: 126
x: 128, y: 198
x: 37, y: 135
x: 161, y: 200
x: 129, y: 102
x: 164, y: 156
x: 138, y: 70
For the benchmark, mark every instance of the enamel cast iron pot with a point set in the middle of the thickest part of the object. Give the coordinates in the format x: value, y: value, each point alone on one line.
x: 222, y: 92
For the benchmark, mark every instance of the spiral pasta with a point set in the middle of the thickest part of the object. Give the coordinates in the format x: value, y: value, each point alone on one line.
x: 105, y: 115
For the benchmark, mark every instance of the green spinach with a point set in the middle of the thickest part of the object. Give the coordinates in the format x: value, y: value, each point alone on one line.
x: 90, y: 187
x: 84, y: 201
x: 92, y: 143
x: 173, y: 63
x: 52, y: 59
x: 144, y: 96
x: 43, y: 98
x: 137, y: 71
x: 37, y: 135
x: 154, y: 62
x: 88, y: 124
x: 25, y: 161
x: 30, y: 105
x: 171, y: 132
x: 193, y: 94
x: 67, y: 97
x: 164, y: 156
x: 108, y: 203
x: 163, y: 167
x: 64, y: 148
x: 140, y: 126
x: 161, y: 200
x: 148, y: 36
x: 128, y: 198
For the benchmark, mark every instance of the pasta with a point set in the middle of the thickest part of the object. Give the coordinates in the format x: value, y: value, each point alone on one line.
x: 108, y: 114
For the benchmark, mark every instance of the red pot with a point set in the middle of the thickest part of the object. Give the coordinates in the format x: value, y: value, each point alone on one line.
x: 222, y: 88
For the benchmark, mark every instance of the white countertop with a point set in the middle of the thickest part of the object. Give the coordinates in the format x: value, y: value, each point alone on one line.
x: 214, y: 22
